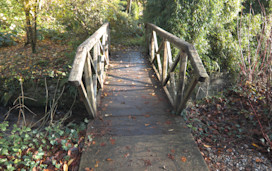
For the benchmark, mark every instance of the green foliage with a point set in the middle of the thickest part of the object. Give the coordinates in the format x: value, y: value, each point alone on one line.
x: 7, y: 39
x: 21, y: 147
x: 123, y: 25
x: 211, y: 26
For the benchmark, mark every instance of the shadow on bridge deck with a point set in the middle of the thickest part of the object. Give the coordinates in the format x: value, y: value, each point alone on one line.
x: 137, y: 130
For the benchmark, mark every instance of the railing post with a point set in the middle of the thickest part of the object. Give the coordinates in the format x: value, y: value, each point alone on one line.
x: 89, y: 81
x: 165, y: 61
x: 108, y: 43
x: 152, y: 50
x: 182, y: 75
x: 157, y: 55
x: 95, y: 57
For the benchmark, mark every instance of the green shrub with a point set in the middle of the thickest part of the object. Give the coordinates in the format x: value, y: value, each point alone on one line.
x: 7, y: 39
x: 211, y: 26
x: 25, y: 148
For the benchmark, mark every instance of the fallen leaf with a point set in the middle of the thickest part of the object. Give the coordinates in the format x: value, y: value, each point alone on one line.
x: 96, y: 164
x: 70, y: 162
x: 168, y: 122
x: 107, y: 115
x: 172, y: 151
x: 102, y: 144
x: 229, y: 150
x: 170, y: 130
x: 146, y: 124
x: 255, y: 145
x: 183, y: 159
x: 73, y: 152
x: 147, y: 162
x: 207, y: 146
x: 65, y: 167
x: 89, y: 169
x: 170, y: 156
x: 109, y: 159
x: 147, y: 116
x: 126, y: 155
x: 258, y: 160
x: 112, y: 141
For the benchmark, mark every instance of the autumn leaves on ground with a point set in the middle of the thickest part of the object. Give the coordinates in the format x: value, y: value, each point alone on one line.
x: 56, y: 147
x: 52, y: 59
x: 235, y: 125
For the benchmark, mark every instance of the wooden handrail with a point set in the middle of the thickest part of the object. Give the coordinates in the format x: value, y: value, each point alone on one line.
x: 186, y: 47
x: 88, y: 71
x: 165, y: 71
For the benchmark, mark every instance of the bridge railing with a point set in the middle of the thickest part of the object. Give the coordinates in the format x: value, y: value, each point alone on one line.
x: 88, y: 71
x: 172, y: 72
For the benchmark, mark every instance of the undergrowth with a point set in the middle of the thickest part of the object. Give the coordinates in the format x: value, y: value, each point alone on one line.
x: 56, y: 147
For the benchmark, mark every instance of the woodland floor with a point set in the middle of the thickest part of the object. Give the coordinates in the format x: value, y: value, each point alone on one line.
x: 52, y: 59
x: 230, y: 129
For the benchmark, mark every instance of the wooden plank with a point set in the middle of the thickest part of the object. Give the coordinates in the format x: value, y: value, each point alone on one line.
x: 160, y: 47
x: 147, y: 40
x: 156, y: 72
x: 169, y: 53
x: 172, y: 74
x: 78, y: 65
x: 84, y: 98
x: 182, y: 76
x: 152, y: 51
x: 165, y: 60
x: 185, y: 46
x: 89, y: 83
x: 104, y: 47
x: 101, y: 74
x: 157, y: 55
x: 95, y: 76
x: 170, y: 98
x: 181, y: 44
x: 95, y: 72
x: 173, y: 87
x: 101, y: 45
x: 91, y: 41
x: 108, y: 42
x: 197, y: 64
x: 187, y: 95
x: 80, y: 57
x: 172, y: 68
x: 99, y: 60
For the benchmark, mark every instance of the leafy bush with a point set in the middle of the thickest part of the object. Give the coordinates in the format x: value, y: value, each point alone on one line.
x: 7, y: 39
x: 22, y: 148
x: 123, y: 25
x: 210, y: 25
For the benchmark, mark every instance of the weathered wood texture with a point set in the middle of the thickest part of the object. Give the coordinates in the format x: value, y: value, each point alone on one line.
x: 90, y: 63
x: 166, y: 71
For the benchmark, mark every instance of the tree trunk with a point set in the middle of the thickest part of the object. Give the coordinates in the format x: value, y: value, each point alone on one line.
x: 129, y: 6
x: 31, y: 24
x: 28, y: 23
x: 34, y: 36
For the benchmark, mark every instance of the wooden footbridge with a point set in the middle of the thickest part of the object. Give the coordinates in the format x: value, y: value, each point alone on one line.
x: 136, y: 101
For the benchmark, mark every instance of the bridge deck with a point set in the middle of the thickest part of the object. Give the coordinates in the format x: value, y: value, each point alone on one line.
x: 137, y: 130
